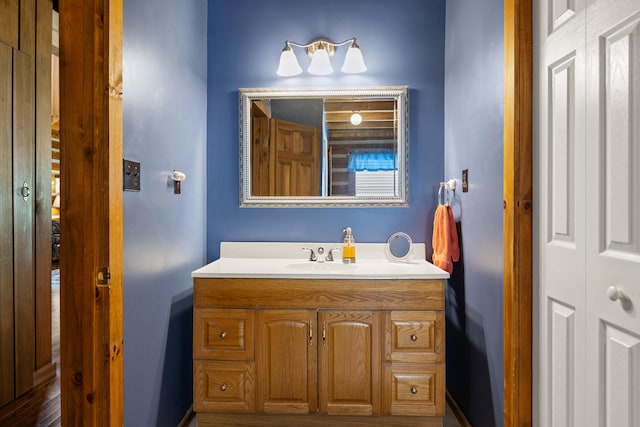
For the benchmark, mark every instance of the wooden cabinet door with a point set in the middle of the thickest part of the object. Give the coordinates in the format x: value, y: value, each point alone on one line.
x: 349, y: 371
x: 286, y: 361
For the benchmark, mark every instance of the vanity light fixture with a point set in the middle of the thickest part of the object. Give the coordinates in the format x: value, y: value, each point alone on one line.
x: 320, y: 51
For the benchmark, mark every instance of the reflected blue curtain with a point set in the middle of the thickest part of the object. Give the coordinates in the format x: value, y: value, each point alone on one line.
x: 381, y: 160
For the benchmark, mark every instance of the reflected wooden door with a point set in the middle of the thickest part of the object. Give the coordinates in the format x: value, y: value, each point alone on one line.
x: 295, y: 159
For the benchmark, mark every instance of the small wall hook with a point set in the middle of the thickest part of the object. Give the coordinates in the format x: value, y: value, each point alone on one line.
x: 177, y: 178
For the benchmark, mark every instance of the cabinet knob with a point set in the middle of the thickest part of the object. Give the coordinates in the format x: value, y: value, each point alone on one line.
x: 414, y: 390
x: 223, y: 387
x: 414, y: 338
x: 223, y: 335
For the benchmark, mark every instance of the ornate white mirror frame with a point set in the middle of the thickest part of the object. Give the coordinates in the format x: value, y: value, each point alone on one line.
x: 398, y: 197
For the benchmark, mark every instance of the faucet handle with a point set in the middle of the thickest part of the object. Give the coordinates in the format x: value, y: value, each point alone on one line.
x: 312, y: 254
x: 329, y: 256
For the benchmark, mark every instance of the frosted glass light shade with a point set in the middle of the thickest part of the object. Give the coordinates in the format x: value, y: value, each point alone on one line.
x: 288, y: 63
x: 356, y: 119
x: 320, y: 64
x: 353, y: 61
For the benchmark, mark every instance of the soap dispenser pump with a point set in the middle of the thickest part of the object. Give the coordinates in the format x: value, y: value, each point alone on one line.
x: 349, y: 248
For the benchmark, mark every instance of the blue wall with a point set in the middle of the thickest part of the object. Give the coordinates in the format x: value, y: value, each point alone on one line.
x: 165, y: 83
x: 474, y: 140
x: 402, y: 43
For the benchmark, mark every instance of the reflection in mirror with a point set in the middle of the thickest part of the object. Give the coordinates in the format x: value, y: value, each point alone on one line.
x: 329, y: 147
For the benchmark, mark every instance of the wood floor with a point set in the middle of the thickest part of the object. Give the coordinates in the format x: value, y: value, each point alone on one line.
x: 41, y: 406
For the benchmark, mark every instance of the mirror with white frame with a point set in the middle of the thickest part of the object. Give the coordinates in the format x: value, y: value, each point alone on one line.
x: 335, y: 147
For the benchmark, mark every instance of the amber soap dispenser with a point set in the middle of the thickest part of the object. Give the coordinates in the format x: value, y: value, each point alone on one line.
x: 349, y: 248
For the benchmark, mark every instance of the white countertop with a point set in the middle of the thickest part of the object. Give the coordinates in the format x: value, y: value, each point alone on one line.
x: 287, y: 260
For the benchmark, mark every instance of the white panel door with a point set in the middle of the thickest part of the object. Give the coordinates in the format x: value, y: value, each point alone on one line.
x: 587, y: 124
x: 613, y: 213
x: 560, y: 168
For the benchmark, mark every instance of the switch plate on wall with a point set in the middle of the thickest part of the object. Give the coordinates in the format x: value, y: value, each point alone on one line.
x: 131, y: 175
x: 465, y: 180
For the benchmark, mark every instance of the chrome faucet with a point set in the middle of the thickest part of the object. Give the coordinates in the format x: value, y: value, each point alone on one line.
x: 312, y: 254
x: 319, y: 255
x: 329, y: 256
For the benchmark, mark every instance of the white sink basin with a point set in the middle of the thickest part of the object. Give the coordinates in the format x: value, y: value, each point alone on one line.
x: 327, y: 267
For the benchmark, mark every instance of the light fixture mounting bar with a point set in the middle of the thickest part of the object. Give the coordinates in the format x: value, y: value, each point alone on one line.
x: 328, y: 45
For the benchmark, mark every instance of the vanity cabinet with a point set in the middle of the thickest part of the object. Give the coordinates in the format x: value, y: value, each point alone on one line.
x: 367, y: 351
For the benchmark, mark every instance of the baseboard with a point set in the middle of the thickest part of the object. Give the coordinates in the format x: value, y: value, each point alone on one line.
x: 44, y: 374
x: 457, y: 411
x: 186, y: 420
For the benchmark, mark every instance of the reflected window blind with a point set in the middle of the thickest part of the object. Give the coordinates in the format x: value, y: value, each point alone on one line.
x: 378, y: 183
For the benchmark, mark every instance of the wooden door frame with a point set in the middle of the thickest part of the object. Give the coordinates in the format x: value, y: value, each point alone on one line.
x: 91, y: 81
x: 91, y: 353
x: 518, y: 205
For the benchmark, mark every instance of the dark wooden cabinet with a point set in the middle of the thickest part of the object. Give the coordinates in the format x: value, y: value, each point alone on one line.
x: 25, y: 196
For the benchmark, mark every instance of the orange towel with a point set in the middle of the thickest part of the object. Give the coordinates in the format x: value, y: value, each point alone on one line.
x: 445, y: 239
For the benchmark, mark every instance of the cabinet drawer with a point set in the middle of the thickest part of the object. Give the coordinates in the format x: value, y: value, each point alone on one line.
x: 223, y: 386
x: 414, y: 389
x: 223, y: 334
x: 414, y: 336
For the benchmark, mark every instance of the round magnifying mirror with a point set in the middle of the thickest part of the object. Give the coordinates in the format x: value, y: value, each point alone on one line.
x: 399, y: 247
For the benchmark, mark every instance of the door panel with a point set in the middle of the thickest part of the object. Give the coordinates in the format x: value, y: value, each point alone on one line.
x: 621, y: 388
x: 613, y: 212
x: 23, y: 209
x: 561, y: 77
x: 562, y: 369
x: 589, y: 250
x: 296, y: 158
x: 6, y: 223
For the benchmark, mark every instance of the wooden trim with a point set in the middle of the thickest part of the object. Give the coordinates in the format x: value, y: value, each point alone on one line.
x: 517, y: 212
x: 44, y: 374
x: 457, y: 412
x: 91, y: 218
x: 210, y: 419
x: 188, y: 417
x: 44, y: 9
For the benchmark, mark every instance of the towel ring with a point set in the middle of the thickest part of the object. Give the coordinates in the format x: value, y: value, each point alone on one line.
x: 443, y: 199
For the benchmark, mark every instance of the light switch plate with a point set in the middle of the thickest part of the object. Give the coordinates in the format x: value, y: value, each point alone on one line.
x: 131, y: 175
x: 465, y: 180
